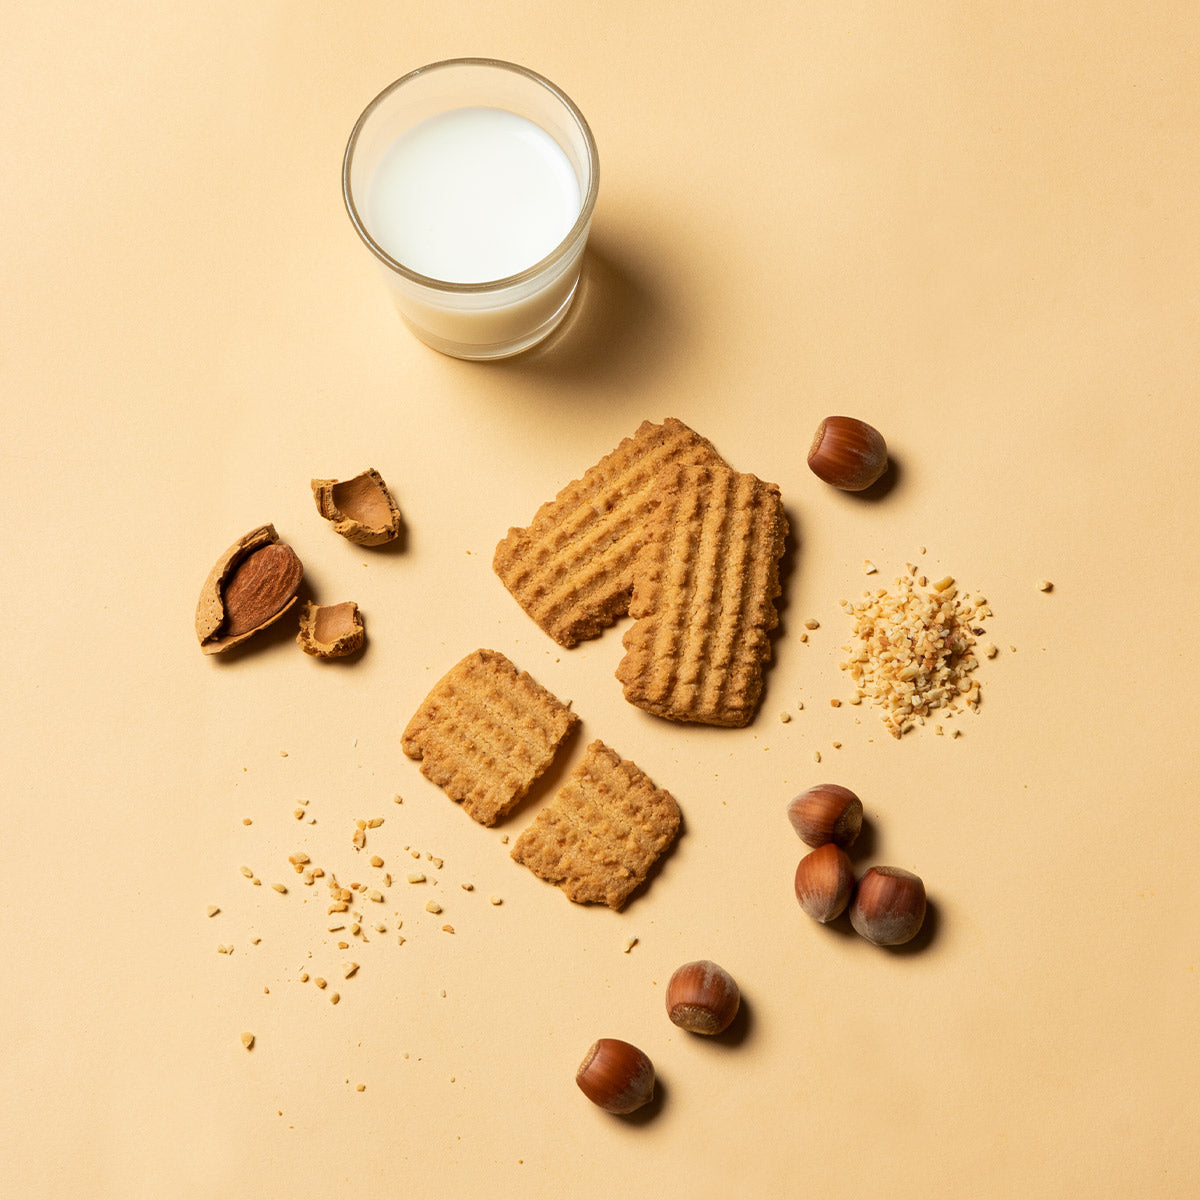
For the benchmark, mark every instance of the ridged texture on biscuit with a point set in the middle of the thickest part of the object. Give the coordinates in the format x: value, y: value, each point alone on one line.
x: 704, y: 597
x: 603, y: 831
x: 486, y: 732
x: 571, y: 568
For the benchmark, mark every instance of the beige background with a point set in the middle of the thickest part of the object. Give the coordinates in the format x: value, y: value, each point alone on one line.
x: 971, y: 224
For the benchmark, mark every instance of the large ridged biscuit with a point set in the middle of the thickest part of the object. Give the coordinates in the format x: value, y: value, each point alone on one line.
x: 571, y: 568
x: 603, y: 831
x: 704, y: 597
x: 486, y: 732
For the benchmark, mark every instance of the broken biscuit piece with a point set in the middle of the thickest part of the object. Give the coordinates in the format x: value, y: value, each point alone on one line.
x: 704, y: 597
x: 331, y: 630
x: 486, y: 732
x: 571, y: 568
x: 603, y: 831
x: 360, y: 509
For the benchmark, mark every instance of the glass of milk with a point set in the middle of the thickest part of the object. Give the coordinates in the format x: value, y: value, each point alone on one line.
x: 472, y: 182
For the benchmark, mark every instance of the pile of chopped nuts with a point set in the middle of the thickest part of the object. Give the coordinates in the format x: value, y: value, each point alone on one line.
x: 914, y: 649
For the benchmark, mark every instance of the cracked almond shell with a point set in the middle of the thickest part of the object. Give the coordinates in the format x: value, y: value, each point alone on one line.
x: 360, y: 509
x: 250, y: 586
x: 331, y: 630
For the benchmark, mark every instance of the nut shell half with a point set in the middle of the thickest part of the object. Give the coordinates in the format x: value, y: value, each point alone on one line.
x: 249, y: 587
x: 331, y: 630
x: 360, y: 509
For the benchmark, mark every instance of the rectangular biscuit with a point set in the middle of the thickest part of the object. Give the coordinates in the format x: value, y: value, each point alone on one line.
x: 704, y: 597
x: 485, y: 733
x: 571, y: 568
x: 603, y: 831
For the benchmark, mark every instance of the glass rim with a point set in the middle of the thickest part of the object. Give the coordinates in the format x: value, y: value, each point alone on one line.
x: 586, y: 208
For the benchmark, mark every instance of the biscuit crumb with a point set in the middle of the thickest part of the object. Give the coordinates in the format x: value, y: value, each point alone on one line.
x: 349, y: 970
x: 630, y: 942
x: 246, y: 872
x: 447, y: 928
x: 467, y: 887
x: 1045, y: 585
x: 247, y: 821
x: 376, y: 861
x: 334, y: 997
x: 869, y: 568
x: 247, y: 1040
x: 212, y: 910
x: 812, y: 623
x: 281, y: 888
x: 816, y: 756
x: 433, y: 907
x: 495, y: 900
x: 785, y: 717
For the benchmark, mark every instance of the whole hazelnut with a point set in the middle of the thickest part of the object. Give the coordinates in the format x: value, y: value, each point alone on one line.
x: 702, y: 997
x: 616, y: 1075
x: 826, y: 813
x: 847, y: 453
x: 824, y: 881
x: 888, y: 906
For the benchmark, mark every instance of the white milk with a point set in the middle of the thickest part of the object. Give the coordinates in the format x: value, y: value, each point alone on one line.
x: 472, y: 195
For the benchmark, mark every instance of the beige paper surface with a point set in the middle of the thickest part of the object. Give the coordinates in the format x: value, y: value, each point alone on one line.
x: 972, y: 225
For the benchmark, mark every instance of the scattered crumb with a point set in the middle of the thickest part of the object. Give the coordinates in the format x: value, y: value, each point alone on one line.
x: 467, y: 887
x: 212, y: 910
x: 496, y: 900
x: 816, y: 756
x: 835, y: 703
x: 362, y: 1087
x: 869, y: 568
x: 349, y: 970
x: 785, y: 717
x: 630, y: 942
x: 247, y: 821
x: 1045, y: 586
x: 837, y: 745
x: 319, y: 982
x: 247, y: 1040
x: 447, y: 928
x: 281, y: 888
x: 246, y: 872
x: 334, y: 997
x: 416, y: 877
x: 812, y: 623
x: 433, y: 907
x: 376, y: 861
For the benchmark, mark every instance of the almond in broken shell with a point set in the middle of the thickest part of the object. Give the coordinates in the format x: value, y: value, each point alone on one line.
x: 331, y: 630
x: 252, y: 584
x: 360, y: 509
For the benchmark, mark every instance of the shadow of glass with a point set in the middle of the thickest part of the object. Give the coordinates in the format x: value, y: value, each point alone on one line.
x: 612, y: 331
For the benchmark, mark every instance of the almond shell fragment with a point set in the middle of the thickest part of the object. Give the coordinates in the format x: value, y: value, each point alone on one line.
x: 361, y: 509
x: 250, y: 586
x: 331, y: 630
